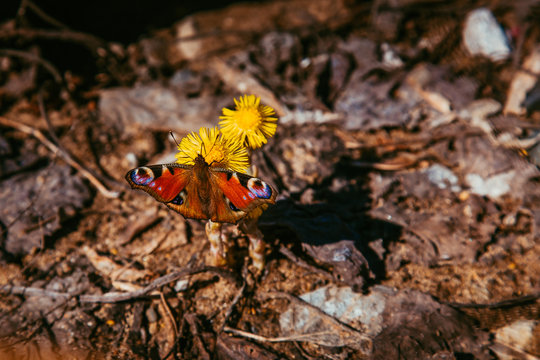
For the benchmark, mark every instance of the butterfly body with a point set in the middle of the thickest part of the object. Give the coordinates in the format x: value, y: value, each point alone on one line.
x: 201, y: 191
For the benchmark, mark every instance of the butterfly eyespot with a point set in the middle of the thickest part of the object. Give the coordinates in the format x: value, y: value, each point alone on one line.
x: 259, y: 188
x: 142, y: 176
x: 180, y: 198
x: 231, y: 205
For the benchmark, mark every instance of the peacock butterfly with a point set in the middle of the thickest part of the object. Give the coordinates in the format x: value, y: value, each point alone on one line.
x: 200, y: 191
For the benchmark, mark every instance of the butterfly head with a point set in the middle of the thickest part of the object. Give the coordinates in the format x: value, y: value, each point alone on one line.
x: 200, y: 161
x: 209, y: 148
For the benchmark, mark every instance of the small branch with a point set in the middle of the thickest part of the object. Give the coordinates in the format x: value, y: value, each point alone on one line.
x: 31, y: 291
x: 33, y: 58
x: 519, y: 301
x: 43, y: 111
x: 169, y: 313
x: 261, y: 338
x: 298, y: 301
x: 44, y: 16
x: 91, y: 42
x: 115, y: 297
x: 64, y: 155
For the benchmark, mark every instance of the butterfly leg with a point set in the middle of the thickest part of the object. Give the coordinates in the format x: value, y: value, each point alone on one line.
x: 256, y: 250
x: 218, y: 247
x: 256, y: 243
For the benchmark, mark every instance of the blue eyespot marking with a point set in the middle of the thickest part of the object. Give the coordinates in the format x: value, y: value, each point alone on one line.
x: 142, y: 176
x: 259, y: 189
x: 231, y: 205
x: 233, y: 208
x: 179, y: 199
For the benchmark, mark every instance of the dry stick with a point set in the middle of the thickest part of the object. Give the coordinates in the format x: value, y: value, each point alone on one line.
x: 176, y: 342
x: 34, y: 59
x: 39, y: 224
x: 44, y: 16
x: 45, y: 116
x: 508, y: 303
x: 31, y: 291
x: 275, y: 339
x: 169, y: 313
x: 64, y: 155
x: 300, y: 337
x: 115, y: 297
x: 91, y: 42
x: 299, y: 301
x: 302, y: 351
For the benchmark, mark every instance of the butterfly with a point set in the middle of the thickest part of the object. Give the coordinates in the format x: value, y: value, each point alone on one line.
x: 200, y: 191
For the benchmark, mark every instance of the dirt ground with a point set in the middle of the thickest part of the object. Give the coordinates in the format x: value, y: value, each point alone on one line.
x: 406, y: 160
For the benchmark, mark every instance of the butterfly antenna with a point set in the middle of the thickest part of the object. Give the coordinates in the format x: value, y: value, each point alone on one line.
x: 172, y: 135
x: 214, y: 144
x: 185, y: 153
x: 179, y: 148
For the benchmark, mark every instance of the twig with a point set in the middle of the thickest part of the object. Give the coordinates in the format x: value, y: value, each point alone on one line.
x: 169, y: 313
x: 91, y: 42
x: 519, y: 301
x: 165, y: 306
x: 50, y: 128
x: 34, y: 59
x: 299, y: 301
x: 261, y: 338
x: 64, y: 155
x: 116, y: 297
x: 302, y: 351
x: 39, y: 224
x: 44, y: 16
x: 31, y: 291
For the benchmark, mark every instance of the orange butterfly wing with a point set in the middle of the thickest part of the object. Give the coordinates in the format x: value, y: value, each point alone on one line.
x: 163, y: 182
x: 200, y: 192
x: 243, y: 192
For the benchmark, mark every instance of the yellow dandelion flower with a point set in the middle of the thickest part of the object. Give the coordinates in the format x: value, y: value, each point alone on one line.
x: 251, y: 122
x: 217, y: 150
